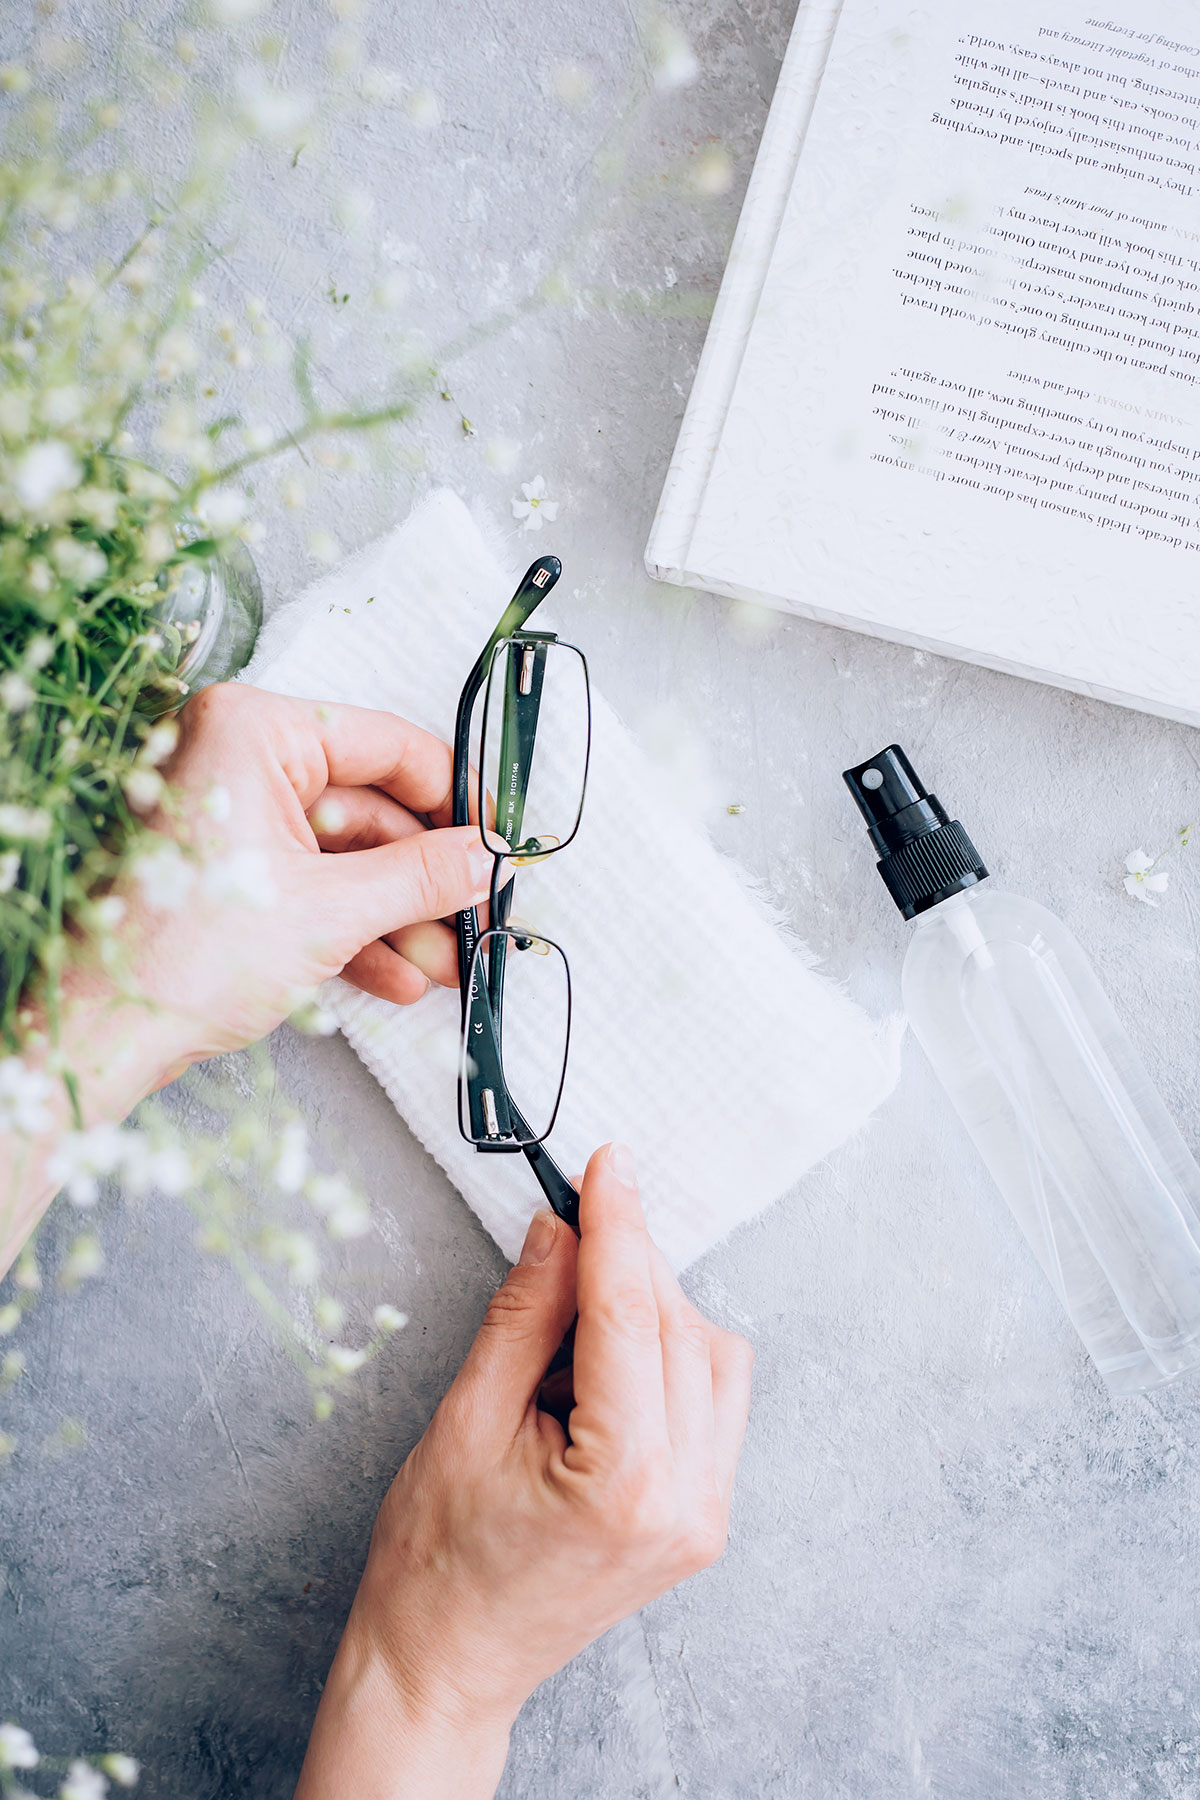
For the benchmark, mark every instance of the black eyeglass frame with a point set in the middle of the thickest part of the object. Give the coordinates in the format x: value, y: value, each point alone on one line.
x: 482, y: 1001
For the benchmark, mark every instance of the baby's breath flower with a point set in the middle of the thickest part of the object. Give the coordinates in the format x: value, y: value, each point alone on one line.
x: 389, y: 1318
x: 83, y: 1261
x: 10, y: 1318
x: 165, y: 876
x: 222, y: 509
x: 159, y: 742
x: 45, y: 472
x: 10, y: 868
x: 24, y: 824
x: 291, y: 1157
x: 672, y: 58
x: 15, y: 692
x: 423, y: 108
x: 297, y: 1252
x: 124, y: 1770
x: 17, y: 1748
x: 324, y: 546
x: 329, y: 1313
x: 143, y: 789
x: 343, y: 1360
x: 83, y: 1782
x: 24, y: 1098
x: 243, y: 878
x: 79, y: 562
x: 83, y: 1158
x: 14, y: 79
x: 271, y: 113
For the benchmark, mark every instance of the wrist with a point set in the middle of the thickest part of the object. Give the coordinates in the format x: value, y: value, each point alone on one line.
x: 390, y: 1729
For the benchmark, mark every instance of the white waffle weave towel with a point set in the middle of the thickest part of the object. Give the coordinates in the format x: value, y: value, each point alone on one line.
x: 701, y: 1034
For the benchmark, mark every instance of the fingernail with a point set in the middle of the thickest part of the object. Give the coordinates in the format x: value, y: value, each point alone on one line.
x: 480, y: 862
x: 620, y: 1161
x: 539, y: 1239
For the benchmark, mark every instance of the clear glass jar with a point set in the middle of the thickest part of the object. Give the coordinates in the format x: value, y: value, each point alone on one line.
x: 215, y: 608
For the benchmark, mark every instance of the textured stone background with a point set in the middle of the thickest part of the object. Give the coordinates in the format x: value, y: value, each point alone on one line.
x: 956, y: 1569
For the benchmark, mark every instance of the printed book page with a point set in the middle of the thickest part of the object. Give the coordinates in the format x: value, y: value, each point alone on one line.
x: 968, y: 413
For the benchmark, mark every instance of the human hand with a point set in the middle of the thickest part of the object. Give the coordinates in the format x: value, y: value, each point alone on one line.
x: 258, y: 787
x: 505, y: 1545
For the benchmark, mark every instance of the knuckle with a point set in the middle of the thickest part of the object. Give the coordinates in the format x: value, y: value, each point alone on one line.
x: 216, y: 704
x: 640, y: 1507
x: 425, y: 885
x: 631, y: 1312
x: 739, y: 1350
x: 513, y: 1310
x: 691, y: 1331
x: 703, y: 1540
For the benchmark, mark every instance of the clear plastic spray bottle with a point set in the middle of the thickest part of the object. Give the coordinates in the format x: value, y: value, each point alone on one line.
x: 1042, y: 1073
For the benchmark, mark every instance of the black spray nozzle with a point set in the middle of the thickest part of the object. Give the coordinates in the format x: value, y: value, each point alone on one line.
x: 925, y: 856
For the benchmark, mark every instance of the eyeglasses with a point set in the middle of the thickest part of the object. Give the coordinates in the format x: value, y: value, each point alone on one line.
x: 534, y: 742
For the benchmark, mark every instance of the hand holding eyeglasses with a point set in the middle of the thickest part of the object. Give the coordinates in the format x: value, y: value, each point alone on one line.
x: 506, y: 1545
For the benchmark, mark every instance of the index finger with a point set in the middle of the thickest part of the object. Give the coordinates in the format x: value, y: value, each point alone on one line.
x: 620, y: 1404
x: 325, y: 744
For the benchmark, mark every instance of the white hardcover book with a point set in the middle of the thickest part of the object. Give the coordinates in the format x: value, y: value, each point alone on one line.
x: 950, y: 394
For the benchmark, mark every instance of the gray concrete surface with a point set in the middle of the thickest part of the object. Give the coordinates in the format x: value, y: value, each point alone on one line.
x: 956, y: 1569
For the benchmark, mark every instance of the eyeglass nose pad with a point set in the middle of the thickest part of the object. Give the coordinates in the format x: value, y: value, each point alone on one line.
x: 533, y: 850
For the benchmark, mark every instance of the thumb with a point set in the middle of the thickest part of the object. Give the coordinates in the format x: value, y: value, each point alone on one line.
x: 524, y: 1326
x: 427, y: 876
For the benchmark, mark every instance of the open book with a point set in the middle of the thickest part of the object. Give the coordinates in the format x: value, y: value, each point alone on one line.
x: 951, y: 390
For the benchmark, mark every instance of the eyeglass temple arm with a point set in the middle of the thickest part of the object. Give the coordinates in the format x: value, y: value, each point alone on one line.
x: 558, y: 1190
x: 536, y: 583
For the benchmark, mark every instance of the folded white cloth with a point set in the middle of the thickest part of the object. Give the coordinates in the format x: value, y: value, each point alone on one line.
x: 701, y: 1034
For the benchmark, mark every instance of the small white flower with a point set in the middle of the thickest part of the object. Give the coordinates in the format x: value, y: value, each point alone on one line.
x: 353, y: 209
x: 27, y: 824
x: 43, y: 473
x: 243, y: 878
x: 1145, y: 878
x: 61, y: 405
x: 423, y: 108
x: 324, y: 546
x: 177, y: 354
x: 15, y: 692
x: 328, y: 817
x: 672, y: 58
x: 83, y: 1782
x: 79, y: 562
x: 39, y: 651
x: 24, y: 1098
x: 10, y: 1318
x: 84, y: 1259
x: 232, y: 12
x: 291, y: 1165
x: 329, y: 1313
x: 162, y: 1168
x: 571, y: 84
x: 159, y: 742
x: 10, y: 868
x: 123, y: 1769
x: 17, y: 1748
x: 501, y: 453
x: 343, y: 1360
x: 108, y: 912
x: 222, y: 509
x: 535, y: 509
x: 165, y: 877
x: 389, y: 1318
x: 83, y: 1158
x: 143, y: 789
x: 269, y: 112
x: 298, y: 1253
x: 218, y: 804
